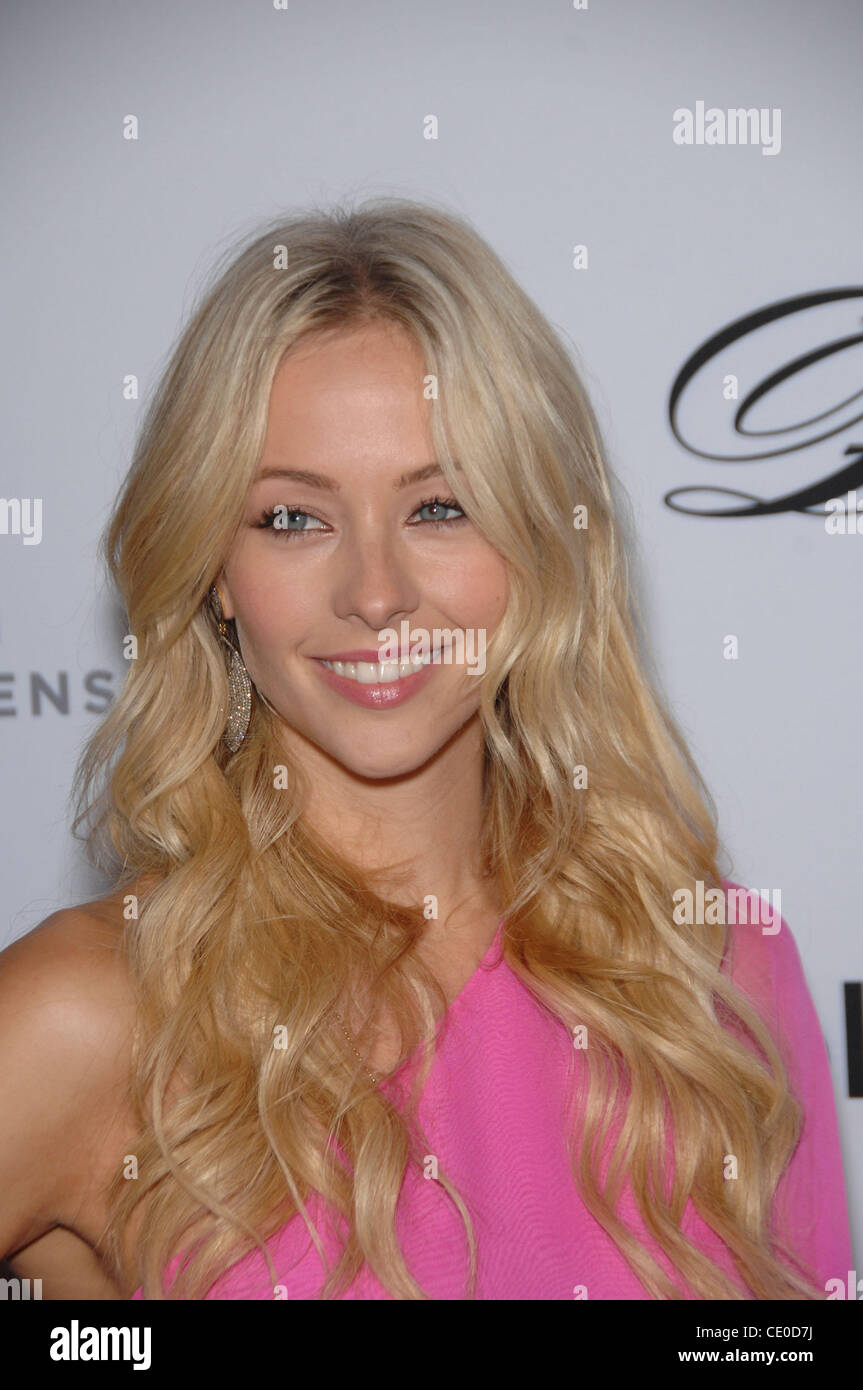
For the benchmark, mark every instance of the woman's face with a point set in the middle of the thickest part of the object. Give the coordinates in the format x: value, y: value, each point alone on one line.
x: 349, y: 548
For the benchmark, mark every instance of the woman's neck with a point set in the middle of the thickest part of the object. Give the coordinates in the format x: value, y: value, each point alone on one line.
x: 417, y: 835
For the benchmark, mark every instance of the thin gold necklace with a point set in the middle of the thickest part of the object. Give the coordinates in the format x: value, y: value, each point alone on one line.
x: 375, y: 1080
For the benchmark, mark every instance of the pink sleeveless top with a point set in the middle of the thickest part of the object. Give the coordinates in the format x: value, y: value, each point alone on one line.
x: 493, y: 1110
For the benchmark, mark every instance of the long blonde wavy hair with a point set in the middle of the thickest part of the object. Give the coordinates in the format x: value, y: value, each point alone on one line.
x: 250, y: 922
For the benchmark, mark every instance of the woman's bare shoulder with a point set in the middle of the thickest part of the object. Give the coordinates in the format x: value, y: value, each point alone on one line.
x: 67, y: 1017
x: 68, y: 979
x: 80, y: 945
x: 72, y: 964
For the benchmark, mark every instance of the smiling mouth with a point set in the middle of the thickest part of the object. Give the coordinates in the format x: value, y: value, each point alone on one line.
x: 379, y: 672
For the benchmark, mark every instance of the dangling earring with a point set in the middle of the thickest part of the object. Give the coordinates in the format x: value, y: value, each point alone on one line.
x: 239, y: 684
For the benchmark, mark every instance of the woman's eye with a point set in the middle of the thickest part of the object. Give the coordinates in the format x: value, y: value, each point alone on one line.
x: 293, y: 521
x: 440, y: 505
x: 288, y: 521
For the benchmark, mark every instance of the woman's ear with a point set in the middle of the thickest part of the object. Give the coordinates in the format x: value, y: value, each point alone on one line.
x: 223, y: 587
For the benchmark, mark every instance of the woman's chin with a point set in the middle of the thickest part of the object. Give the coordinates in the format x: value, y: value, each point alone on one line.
x: 386, y: 766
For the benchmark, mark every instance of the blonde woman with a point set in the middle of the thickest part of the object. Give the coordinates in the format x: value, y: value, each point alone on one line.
x: 395, y: 995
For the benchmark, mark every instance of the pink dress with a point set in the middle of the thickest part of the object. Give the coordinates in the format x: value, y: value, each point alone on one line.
x: 493, y: 1110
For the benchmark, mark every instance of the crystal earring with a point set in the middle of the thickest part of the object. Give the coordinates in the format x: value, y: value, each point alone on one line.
x: 239, y: 684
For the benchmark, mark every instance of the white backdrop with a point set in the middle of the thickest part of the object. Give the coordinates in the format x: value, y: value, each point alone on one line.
x: 555, y: 129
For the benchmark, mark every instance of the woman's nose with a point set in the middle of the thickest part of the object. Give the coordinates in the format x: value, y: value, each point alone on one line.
x: 376, y: 580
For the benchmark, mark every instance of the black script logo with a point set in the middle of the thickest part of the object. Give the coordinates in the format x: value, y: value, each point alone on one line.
x: 803, y: 499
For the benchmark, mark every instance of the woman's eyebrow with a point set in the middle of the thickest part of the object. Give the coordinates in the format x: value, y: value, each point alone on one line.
x: 302, y: 475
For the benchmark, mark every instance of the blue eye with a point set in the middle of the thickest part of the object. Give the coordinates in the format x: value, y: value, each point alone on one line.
x: 281, y: 519
x: 445, y: 504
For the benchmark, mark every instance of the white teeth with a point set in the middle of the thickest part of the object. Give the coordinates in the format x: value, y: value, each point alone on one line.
x: 378, y: 672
